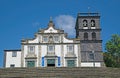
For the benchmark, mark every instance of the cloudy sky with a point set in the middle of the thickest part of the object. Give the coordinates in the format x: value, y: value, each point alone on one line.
x: 20, y: 19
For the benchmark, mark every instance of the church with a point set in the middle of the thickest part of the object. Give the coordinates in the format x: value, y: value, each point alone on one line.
x: 52, y: 48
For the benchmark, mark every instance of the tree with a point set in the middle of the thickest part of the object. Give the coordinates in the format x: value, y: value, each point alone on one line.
x: 112, y: 56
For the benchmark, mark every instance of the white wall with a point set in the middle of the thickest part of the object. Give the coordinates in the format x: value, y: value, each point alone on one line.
x: 90, y: 64
x: 51, y: 30
x: 13, y: 60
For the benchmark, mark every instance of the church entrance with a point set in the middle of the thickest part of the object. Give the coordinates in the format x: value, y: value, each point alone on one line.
x: 50, y: 62
x: 71, y: 63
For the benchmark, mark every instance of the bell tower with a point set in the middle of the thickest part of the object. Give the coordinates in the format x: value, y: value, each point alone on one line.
x: 88, y: 30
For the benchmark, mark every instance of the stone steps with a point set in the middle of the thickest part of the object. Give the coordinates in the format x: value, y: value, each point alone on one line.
x: 63, y: 72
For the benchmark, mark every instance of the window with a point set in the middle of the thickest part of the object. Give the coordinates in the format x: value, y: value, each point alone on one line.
x: 50, y: 38
x: 94, y: 36
x: 30, y: 63
x: 14, y: 54
x: 31, y: 49
x: 85, y: 24
x: 56, y: 38
x: 91, y: 56
x: 71, y: 63
x: 70, y: 48
x: 45, y: 38
x: 50, y: 48
x: 12, y: 65
x: 86, y: 36
x: 92, y: 23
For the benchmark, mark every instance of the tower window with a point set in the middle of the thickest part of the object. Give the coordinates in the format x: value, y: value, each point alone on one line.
x: 92, y: 23
x: 91, y: 56
x: 14, y: 54
x: 85, y: 23
x: 86, y: 36
x: 93, y: 36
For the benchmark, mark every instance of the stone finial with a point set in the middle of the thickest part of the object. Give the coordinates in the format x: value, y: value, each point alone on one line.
x: 50, y: 19
x: 51, y: 23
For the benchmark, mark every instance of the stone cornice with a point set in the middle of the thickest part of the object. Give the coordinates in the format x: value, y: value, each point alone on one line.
x: 47, y: 43
x: 90, y: 29
x: 91, y: 41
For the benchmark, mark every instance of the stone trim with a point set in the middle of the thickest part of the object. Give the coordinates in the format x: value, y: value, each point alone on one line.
x: 30, y: 57
x: 39, y: 56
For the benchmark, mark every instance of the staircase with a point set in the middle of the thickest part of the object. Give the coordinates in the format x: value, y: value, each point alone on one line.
x: 62, y: 72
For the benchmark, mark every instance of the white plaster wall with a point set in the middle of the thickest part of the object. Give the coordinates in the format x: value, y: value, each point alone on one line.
x: 90, y: 64
x: 51, y: 30
x: 36, y: 40
x: 13, y: 60
x: 58, y: 50
x: 43, y: 50
x: 65, y: 40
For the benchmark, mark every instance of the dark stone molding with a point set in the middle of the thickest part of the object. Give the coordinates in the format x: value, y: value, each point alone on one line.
x: 93, y: 61
x: 50, y: 33
x: 70, y: 57
x: 30, y: 57
x: 91, y: 41
x: 88, y: 16
x: 18, y: 50
x: 47, y: 43
x: 91, y: 51
x: 98, y: 29
x: 48, y: 56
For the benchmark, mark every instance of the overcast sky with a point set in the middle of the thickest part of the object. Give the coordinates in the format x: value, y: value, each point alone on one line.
x: 20, y: 19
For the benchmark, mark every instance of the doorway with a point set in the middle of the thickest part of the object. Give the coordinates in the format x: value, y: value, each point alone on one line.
x: 50, y: 62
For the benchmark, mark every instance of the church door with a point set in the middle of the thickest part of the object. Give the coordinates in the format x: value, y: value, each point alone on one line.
x: 30, y: 63
x: 71, y: 63
x: 51, y: 62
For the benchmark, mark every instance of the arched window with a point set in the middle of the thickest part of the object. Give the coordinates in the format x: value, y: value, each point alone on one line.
x: 92, y: 23
x: 85, y: 36
x: 93, y: 36
x: 85, y: 23
x: 50, y: 38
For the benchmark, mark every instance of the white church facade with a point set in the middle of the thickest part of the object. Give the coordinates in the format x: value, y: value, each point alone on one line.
x: 50, y: 48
